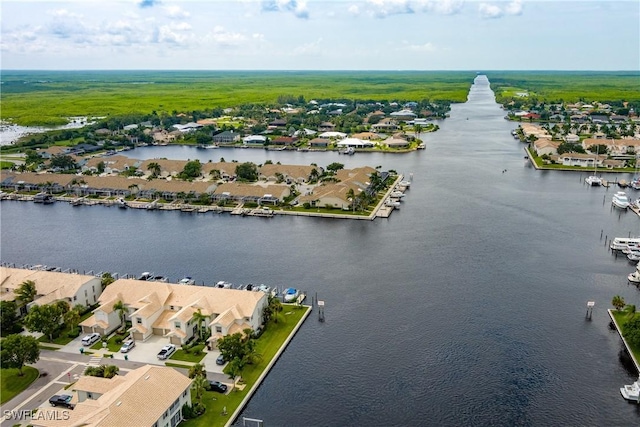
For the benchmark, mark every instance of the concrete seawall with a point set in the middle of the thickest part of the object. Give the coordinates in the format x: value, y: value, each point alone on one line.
x: 635, y: 361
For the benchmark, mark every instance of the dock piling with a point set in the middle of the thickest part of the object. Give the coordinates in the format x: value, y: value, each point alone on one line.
x: 321, y: 311
x: 590, y: 305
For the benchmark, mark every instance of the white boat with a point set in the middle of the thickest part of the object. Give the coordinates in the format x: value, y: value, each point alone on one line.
x: 631, y: 392
x: 392, y: 203
x: 620, y: 200
x: 290, y: 294
x: 43, y: 198
x: 122, y: 204
x: 622, y: 243
x: 146, y: 276
x: 223, y: 285
x: 397, y: 194
x: 152, y: 206
x: 633, y: 256
x: 405, y: 184
x: 187, y: 280
x: 631, y: 247
x: 593, y: 180
x: 159, y: 279
x: 634, y: 277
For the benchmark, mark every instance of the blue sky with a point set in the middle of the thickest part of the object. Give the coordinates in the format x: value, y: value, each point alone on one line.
x: 321, y: 35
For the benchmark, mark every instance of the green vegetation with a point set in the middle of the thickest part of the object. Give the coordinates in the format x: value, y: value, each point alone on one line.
x: 49, y: 97
x: 102, y: 371
x: 567, y: 86
x: 267, y: 345
x: 113, y: 343
x: 194, y: 354
x: 629, y: 322
x: 12, y: 384
x: 17, y: 350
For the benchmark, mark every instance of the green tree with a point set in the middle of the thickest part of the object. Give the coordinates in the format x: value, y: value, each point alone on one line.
x: 335, y: 166
x: 71, y: 319
x: 44, y: 318
x: 234, y: 368
x: 26, y: 292
x: 632, y: 331
x: 618, y: 302
x: 195, y: 370
x: 122, y: 311
x: 106, y: 280
x: 233, y: 347
x: 192, y: 169
x: 63, y: 162
x: 9, y: 322
x: 199, y: 385
x: 199, y: 319
x: 17, y: 350
x: 154, y: 168
x: 247, y: 172
x: 102, y: 371
x: 630, y: 310
x: 111, y: 371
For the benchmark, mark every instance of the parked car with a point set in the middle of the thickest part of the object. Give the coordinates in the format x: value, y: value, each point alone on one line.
x: 166, y: 351
x: 220, y: 360
x: 127, y: 345
x: 90, y: 339
x: 61, y: 400
x: 217, y: 386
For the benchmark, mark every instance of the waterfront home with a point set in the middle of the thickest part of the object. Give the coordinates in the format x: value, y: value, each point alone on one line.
x: 403, y: 115
x: 386, y: 125
x: 254, y: 140
x: 162, y: 137
x: 332, y: 135
x: 544, y: 146
x: 220, y: 170
x: 146, y: 396
x: 167, y: 310
x: 112, y: 164
x: 354, y: 143
x: 319, y: 143
x: 226, y: 137
x: 288, y: 173
x: 335, y: 194
x: 395, y: 142
x: 261, y: 194
x: 571, y: 138
x: 51, y: 286
x: 536, y: 130
x: 366, y: 136
x: 581, y: 159
x: 284, y: 140
x: 167, y: 167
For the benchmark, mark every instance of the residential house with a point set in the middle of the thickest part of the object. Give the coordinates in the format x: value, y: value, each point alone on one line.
x: 289, y: 173
x: 51, y: 286
x: 332, y: 135
x: 146, y: 396
x: 580, y: 159
x: 572, y: 138
x: 395, y: 142
x: 326, y: 127
x: 319, y: 143
x: 544, y: 146
x: 368, y: 136
x: 285, y: 140
x: 536, y: 130
x: 167, y: 310
x: 254, y: 140
x: 335, y: 194
x: 386, y: 124
x: 403, y: 115
x: 354, y: 143
x: 258, y: 193
x: 226, y: 137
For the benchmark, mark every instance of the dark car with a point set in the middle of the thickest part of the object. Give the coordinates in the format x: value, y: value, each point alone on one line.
x: 217, y: 386
x: 61, y: 400
x: 220, y: 360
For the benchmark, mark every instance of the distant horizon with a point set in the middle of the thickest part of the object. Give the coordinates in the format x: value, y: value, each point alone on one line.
x: 320, y: 35
x: 637, y: 71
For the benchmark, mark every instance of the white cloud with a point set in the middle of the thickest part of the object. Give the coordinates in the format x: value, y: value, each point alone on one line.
x: 354, y: 10
x: 489, y: 11
x: 514, y: 8
x: 426, y: 47
x: 308, y: 48
x: 297, y: 7
x: 176, y: 12
x: 492, y: 11
x: 220, y: 36
x: 385, y: 8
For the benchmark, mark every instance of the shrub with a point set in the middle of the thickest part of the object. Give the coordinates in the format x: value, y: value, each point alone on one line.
x: 73, y: 334
x: 118, y: 340
x: 306, y: 205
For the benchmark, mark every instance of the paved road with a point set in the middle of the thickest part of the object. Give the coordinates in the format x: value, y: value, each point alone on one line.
x: 63, y: 368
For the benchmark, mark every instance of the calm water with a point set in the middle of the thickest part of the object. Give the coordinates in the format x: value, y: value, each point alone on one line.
x: 466, y: 307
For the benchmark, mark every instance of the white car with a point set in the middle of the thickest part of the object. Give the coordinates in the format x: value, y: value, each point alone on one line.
x: 90, y: 339
x: 166, y: 351
x: 127, y: 345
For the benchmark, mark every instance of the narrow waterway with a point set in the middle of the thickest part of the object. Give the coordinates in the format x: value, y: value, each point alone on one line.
x: 466, y: 307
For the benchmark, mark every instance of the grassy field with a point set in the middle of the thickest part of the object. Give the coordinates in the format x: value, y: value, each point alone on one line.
x: 621, y: 318
x: 11, y: 384
x: 267, y: 345
x: 192, y: 356
x: 47, y: 97
x: 568, y: 86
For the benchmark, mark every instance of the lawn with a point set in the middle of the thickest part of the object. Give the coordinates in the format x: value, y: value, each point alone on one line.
x: 267, y: 345
x: 111, y: 343
x: 11, y: 384
x: 195, y: 354
x: 622, y: 318
x: 62, y: 336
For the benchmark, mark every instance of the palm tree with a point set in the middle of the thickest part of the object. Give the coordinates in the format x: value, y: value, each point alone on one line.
x: 27, y: 292
x: 351, y: 195
x: 133, y: 187
x: 199, y: 386
x: 106, y: 280
x: 110, y: 371
x: 196, y: 370
x: 275, y: 306
x: 630, y: 310
x: 154, y: 168
x: 417, y: 129
x: 618, y: 302
x: 199, y: 318
x: 72, y: 318
x: 121, y: 309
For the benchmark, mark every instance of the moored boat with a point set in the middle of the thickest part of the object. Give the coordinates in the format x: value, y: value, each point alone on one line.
x: 622, y: 243
x: 631, y: 392
x: 187, y: 280
x: 620, y: 200
x: 290, y: 294
x: 593, y: 180
x: 634, y: 277
x: 45, y: 198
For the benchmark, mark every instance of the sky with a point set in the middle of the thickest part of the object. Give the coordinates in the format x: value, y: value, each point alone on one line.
x: 320, y: 35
